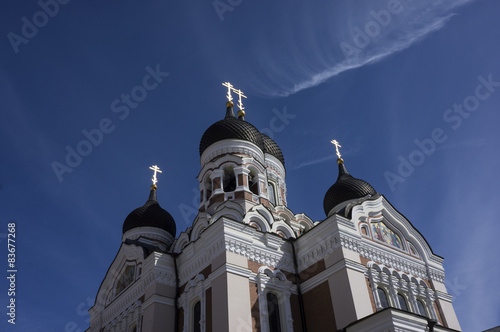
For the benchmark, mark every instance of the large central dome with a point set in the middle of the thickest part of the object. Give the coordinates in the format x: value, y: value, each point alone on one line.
x: 230, y: 128
x: 233, y: 128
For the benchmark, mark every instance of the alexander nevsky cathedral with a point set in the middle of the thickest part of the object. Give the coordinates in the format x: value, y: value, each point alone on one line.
x: 249, y: 263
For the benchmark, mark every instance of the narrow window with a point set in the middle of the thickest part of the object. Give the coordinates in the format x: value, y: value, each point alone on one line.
x: 254, y: 183
x: 382, y: 297
x: 208, y: 188
x: 273, y: 311
x: 229, y: 180
x: 197, y: 317
x: 402, y: 302
x: 421, y: 308
x: 270, y: 192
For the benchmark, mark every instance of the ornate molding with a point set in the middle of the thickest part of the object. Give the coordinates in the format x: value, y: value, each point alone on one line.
x: 318, y: 252
x: 350, y: 242
x: 371, y: 252
x: 231, y: 146
x: 395, y: 261
x: 261, y: 256
x: 192, y: 267
x: 435, y: 274
x: 136, y: 291
x: 117, y: 321
x: 273, y: 163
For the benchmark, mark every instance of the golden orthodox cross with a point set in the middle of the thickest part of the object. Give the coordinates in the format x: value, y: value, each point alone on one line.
x: 337, y: 146
x: 155, y: 169
x: 229, y: 88
x: 240, y: 94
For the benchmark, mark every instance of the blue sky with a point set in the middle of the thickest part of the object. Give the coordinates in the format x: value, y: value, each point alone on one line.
x: 410, y: 89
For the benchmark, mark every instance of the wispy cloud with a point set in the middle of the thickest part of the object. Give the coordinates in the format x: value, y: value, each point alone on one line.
x: 347, y: 151
x: 312, y: 162
x: 368, y: 58
x: 304, y: 53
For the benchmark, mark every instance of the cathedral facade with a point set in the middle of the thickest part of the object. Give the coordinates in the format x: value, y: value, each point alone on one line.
x: 249, y: 263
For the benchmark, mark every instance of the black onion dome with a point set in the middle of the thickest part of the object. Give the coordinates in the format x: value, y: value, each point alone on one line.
x: 346, y: 188
x: 272, y: 148
x: 230, y: 128
x: 150, y: 215
x: 233, y: 128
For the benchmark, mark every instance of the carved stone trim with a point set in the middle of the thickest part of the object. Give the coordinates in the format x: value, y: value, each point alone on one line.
x: 136, y: 291
x: 192, y: 268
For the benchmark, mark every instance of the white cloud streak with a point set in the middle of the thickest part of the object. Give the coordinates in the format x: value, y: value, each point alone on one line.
x: 312, y: 162
x: 382, y: 53
x: 305, y: 52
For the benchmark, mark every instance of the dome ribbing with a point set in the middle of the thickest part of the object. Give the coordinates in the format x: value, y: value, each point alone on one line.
x: 233, y: 128
x: 150, y: 215
x: 346, y: 188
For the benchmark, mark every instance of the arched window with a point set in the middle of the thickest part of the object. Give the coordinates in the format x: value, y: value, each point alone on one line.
x: 282, y: 234
x: 229, y: 179
x: 273, y: 311
x: 382, y: 297
x: 421, y: 308
x: 402, y: 302
x: 197, y: 317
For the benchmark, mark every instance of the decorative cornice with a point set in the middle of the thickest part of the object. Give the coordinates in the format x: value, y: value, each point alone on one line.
x: 370, y: 250
x: 435, y: 274
x: 259, y: 255
x: 318, y: 252
x: 231, y: 146
x: 126, y: 312
x: 324, y: 275
x: 136, y: 291
x: 195, y: 264
x: 345, y: 222
x: 399, y: 262
x: 350, y: 242
x: 155, y: 298
x: 274, y: 164
x: 443, y: 296
x: 164, y: 238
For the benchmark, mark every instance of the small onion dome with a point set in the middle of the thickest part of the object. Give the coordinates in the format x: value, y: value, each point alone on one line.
x: 150, y: 215
x: 346, y: 188
x: 233, y: 128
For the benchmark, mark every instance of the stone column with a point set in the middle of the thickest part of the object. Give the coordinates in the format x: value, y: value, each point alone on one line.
x: 241, y: 174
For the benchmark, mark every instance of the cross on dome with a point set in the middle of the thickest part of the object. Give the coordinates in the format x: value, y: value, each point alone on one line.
x: 337, y: 146
x: 229, y: 88
x: 240, y: 94
x: 155, y: 169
